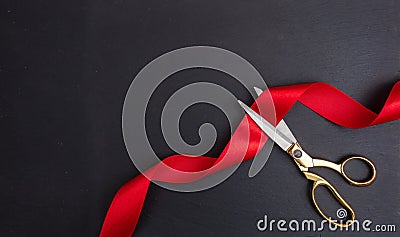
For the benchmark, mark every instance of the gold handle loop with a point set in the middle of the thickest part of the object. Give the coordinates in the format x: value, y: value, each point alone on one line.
x: 354, y: 182
x: 319, y: 181
x: 340, y: 168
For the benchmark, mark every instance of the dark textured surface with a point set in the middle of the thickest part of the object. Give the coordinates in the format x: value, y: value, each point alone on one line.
x: 64, y: 71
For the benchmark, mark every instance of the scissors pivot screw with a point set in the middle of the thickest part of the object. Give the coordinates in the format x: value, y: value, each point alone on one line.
x: 297, y: 153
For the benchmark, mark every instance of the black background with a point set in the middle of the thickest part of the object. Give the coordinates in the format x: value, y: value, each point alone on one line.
x: 65, y: 68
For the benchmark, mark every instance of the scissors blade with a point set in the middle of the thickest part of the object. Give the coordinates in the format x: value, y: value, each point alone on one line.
x: 278, y: 137
x: 262, y: 156
x: 282, y: 126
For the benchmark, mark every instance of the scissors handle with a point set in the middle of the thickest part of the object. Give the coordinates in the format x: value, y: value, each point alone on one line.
x: 340, y: 169
x: 319, y: 181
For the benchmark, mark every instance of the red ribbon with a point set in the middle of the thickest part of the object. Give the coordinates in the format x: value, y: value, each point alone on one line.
x: 327, y: 101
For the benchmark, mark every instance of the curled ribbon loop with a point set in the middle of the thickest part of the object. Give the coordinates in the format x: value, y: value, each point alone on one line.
x: 325, y: 100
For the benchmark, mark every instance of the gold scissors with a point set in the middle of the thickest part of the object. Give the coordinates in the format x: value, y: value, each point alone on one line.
x: 282, y: 136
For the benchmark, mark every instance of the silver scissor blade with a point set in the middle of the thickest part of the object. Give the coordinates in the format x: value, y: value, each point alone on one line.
x: 261, y: 158
x: 268, y: 128
x: 282, y: 127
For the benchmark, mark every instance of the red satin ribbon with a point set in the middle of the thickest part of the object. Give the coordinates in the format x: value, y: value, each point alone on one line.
x: 327, y: 101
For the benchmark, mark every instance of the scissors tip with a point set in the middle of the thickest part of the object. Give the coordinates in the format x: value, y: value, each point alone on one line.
x: 258, y: 90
